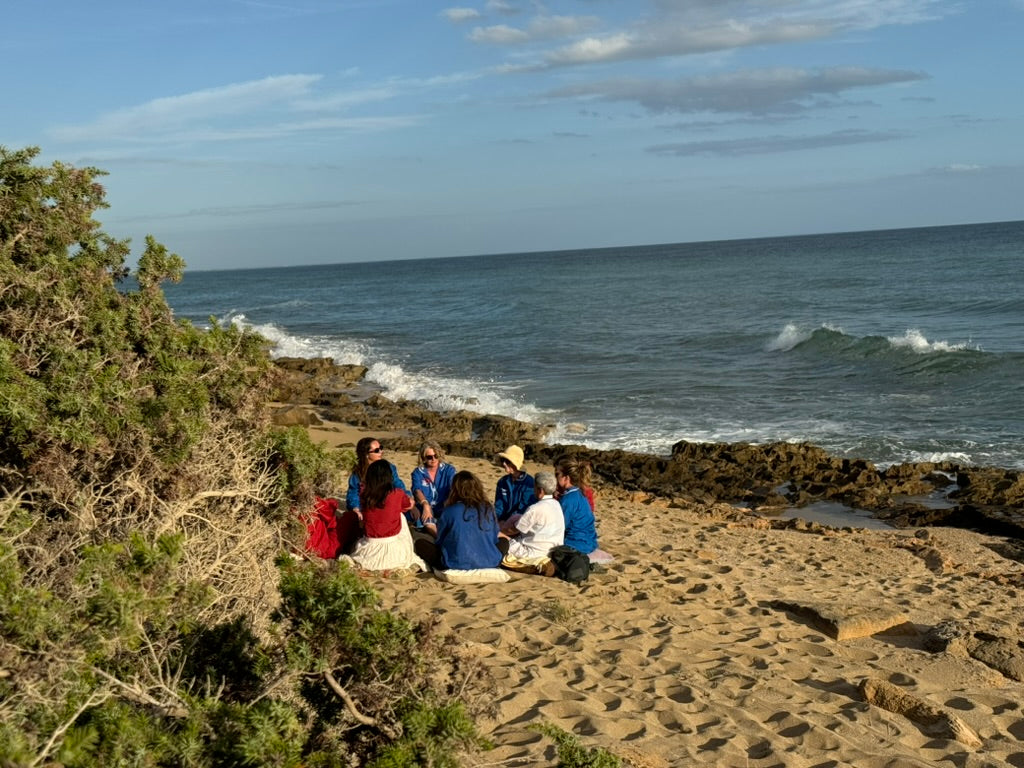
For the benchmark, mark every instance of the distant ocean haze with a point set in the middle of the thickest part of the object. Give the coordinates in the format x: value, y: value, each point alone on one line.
x: 897, y: 345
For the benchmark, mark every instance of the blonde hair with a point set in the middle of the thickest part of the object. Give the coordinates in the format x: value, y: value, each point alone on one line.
x: 579, y: 471
x: 438, y: 450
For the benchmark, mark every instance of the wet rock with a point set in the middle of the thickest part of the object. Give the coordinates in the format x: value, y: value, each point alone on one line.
x: 301, y: 380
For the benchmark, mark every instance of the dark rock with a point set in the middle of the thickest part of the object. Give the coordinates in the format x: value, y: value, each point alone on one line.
x: 949, y: 636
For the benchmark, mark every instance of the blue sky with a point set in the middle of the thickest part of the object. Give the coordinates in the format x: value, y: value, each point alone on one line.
x: 271, y: 132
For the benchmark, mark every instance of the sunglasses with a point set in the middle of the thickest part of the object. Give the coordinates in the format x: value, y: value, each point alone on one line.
x: 378, y: 449
x: 429, y: 456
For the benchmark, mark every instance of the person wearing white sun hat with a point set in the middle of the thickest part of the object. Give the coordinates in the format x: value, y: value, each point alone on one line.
x: 515, y: 491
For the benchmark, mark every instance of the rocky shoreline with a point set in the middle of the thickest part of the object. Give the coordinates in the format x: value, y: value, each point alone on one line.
x: 766, y: 479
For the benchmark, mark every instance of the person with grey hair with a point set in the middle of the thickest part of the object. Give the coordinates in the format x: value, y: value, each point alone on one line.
x: 541, y: 526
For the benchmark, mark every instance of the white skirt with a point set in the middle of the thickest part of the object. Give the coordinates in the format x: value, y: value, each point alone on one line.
x: 388, y: 554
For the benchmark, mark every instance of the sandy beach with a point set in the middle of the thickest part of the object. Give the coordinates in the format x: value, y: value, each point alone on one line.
x: 713, y: 639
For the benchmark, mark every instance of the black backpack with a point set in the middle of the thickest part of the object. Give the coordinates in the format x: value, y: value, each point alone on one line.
x: 570, y: 564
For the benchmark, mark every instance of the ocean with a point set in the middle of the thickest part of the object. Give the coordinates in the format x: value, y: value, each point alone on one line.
x: 893, y: 346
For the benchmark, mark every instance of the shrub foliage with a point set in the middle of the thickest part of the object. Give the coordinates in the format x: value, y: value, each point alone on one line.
x: 143, y: 500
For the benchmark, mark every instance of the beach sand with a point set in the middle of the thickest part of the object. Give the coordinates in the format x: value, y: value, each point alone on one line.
x: 699, y: 644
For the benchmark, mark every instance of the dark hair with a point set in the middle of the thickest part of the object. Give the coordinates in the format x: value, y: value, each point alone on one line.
x: 363, y: 455
x: 377, y: 484
x: 576, y: 469
x: 467, y: 489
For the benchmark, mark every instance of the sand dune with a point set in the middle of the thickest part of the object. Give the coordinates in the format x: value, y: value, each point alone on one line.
x: 682, y: 652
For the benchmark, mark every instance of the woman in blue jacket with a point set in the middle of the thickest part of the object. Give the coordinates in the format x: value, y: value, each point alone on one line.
x: 431, y: 484
x: 467, y: 531
x: 580, y: 526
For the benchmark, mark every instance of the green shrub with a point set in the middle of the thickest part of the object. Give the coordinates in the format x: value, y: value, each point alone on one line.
x: 142, y: 498
x: 304, y: 468
x: 572, y: 753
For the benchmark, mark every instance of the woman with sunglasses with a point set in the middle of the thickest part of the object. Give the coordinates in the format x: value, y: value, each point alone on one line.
x: 368, y: 450
x: 431, y: 484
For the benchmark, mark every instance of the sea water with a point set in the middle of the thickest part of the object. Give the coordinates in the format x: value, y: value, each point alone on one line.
x: 897, y: 345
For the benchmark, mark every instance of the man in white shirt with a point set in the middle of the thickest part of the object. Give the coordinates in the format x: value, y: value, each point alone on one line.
x: 541, y: 526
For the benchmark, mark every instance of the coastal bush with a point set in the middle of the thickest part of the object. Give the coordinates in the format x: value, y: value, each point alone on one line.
x: 306, y: 469
x: 143, y: 500
x: 572, y: 753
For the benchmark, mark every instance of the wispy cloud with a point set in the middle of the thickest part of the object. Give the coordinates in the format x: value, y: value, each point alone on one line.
x: 254, y: 110
x: 961, y: 168
x: 539, y: 28
x: 764, y: 145
x: 172, y: 112
x: 754, y: 92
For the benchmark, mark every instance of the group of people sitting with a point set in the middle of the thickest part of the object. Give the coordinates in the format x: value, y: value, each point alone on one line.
x: 448, y: 520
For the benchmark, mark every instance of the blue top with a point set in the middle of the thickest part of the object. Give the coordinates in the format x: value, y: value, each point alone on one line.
x: 436, y: 491
x: 464, y: 542
x: 512, y: 496
x: 580, y: 530
x: 355, y: 485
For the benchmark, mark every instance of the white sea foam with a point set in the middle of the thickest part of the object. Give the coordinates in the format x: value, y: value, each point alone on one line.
x: 793, y: 335
x: 936, y: 457
x: 438, y: 392
x: 449, y: 393
x: 914, y: 340
x: 788, y: 338
x: 344, y: 352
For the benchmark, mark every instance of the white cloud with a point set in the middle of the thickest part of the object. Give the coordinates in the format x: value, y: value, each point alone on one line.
x: 460, y: 15
x: 676, y: 41
x: 687, y: 27
x: 502, y: 7
x: 500, y: 34
x: 538, y: 28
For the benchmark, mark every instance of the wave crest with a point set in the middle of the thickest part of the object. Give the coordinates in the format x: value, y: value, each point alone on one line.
x: 825, y: 335
x: 915, y: 340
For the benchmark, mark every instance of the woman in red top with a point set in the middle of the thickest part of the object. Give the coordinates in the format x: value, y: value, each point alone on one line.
x: 381, y: 502
x: 386, y: 544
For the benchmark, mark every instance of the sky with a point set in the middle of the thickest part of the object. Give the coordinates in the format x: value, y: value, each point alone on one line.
x: 251, y: 133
